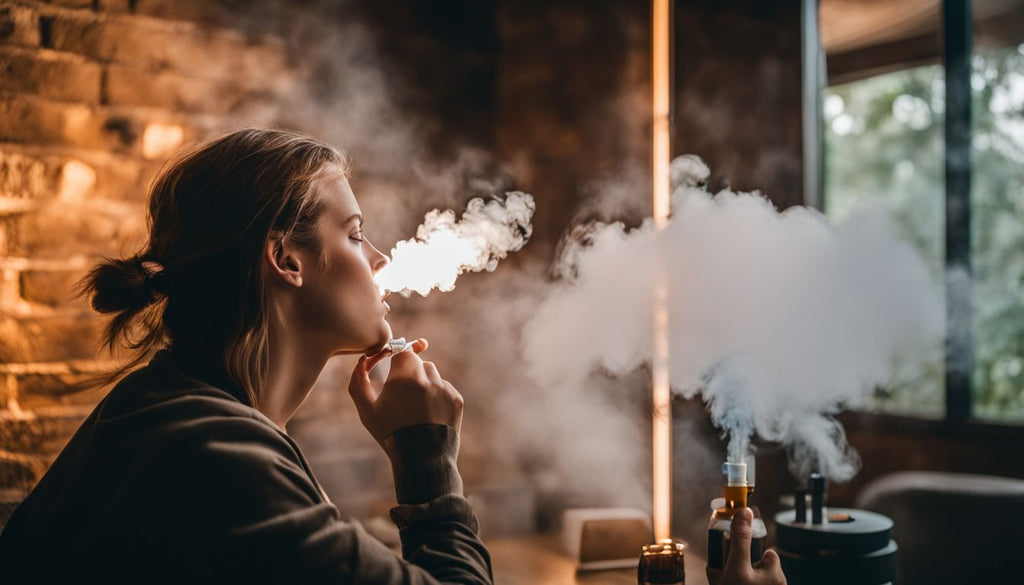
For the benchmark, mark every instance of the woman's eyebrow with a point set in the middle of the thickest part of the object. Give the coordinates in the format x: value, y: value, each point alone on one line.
x: 355, y: 216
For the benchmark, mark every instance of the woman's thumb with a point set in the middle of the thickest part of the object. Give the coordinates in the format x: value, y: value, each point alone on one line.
x: 769, y: 561
x: 740, y: 534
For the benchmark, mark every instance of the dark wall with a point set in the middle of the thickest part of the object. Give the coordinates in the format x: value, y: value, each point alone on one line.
x: 738, y: 93
x: 573, y: 98
x: 444, y: 54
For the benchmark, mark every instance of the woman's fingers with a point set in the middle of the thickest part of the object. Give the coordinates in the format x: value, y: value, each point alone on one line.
x: 413, y: 394
x: 373, y: 359
x: 459, y: 404
x: 741, y: 534
x: 738, y: 570
x: 360, y: 388
x: 432, y: 374
x: 769, y: 561
x: 420, y: 345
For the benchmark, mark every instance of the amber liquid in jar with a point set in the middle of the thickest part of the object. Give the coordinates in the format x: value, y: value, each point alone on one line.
x: 736, y: 495
x: 662, y: 563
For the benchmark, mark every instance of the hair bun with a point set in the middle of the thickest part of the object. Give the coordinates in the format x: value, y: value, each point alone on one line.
x: 123, y: 284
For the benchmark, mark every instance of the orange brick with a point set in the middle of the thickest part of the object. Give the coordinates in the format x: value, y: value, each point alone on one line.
x: 89, y: 227
x: 170, y: 90
x: 114, y: 5
x: 8, y: 393
x: 17, y: 473
x: 49, y: 339
x: 207, y: 12
x: 19, y: 25
x: 33, y: 120
x: 54, y: 288
x: 49, y: 74
x: 42, y: 391
x: 149, y: 42
x: 71, y: 3
x: 36, y: 120
x: 28, y: 177
x: 44, y: 435
x: 122, y: 178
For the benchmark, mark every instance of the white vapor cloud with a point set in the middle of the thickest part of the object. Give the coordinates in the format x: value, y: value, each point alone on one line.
x: 445, y: 247
x: 778, y: 320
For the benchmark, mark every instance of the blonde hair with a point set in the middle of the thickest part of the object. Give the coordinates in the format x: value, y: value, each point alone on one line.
x: 198, y: 285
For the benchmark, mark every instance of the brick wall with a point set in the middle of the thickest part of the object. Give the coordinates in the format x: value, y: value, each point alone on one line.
x: 93, y: 96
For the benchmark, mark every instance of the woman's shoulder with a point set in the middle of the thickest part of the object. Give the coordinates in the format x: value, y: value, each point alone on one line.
x: 188, y: 433
x: 160, y: 405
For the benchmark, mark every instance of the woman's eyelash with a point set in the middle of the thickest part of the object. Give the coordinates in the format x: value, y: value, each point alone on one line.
x: 358, y: 237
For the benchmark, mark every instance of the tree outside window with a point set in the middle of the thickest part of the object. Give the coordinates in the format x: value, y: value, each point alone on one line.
x: 884, y: 139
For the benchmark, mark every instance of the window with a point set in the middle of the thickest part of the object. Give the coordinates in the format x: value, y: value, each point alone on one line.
x: 997, y: 229
x: 885, y: 137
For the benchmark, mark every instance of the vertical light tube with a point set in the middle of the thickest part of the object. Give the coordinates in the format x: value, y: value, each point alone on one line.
x: 661, y: 454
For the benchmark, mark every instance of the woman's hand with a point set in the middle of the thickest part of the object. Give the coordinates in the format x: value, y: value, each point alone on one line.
x: 738, y: 570
x: 413, y: 394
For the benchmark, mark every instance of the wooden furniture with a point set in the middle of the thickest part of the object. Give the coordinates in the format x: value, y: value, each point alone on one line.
x: 540, y: 560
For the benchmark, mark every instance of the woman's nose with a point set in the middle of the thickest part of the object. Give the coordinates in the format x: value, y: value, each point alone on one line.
x: 378, y: 259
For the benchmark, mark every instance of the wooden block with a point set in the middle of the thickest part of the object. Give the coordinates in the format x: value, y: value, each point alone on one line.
x: 605, y: 538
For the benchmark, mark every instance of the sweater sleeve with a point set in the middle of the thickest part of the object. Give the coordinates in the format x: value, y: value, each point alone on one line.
x: 437, y: 525
x: 261, y: 515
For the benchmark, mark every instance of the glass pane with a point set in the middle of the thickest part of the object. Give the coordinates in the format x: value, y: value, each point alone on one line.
x: 997, y: 216
x: 884, y: 140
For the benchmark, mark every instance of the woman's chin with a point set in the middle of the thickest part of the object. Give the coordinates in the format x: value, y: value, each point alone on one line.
x: 381, y: 342
x: 371, y: 344
x: 376, y: 347
x: 365, y: 348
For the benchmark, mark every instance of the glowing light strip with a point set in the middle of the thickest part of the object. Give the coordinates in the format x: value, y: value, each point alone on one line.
x: 662, y: 396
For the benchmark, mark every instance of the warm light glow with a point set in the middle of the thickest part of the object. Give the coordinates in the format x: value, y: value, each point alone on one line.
x: 76, y: 181
x: 661, y: 452
x: 160, y: 140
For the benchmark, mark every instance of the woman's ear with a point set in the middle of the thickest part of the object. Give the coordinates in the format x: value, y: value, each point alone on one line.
x: 283, y: 263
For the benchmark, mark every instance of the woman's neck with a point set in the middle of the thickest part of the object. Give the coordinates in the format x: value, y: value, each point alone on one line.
x: 292, y: 371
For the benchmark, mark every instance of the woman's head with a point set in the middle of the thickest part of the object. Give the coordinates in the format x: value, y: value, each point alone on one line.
x: 230, y: 220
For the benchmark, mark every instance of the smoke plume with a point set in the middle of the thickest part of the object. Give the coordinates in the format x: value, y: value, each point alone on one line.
x: 445, y: 247
x: 778, y: 320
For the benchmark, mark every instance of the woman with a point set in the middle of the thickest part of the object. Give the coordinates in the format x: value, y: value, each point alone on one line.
x: 255, y: 273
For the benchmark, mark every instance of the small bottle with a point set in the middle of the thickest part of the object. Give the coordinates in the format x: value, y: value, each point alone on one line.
x: 662, y: 563
x: 736, y: 492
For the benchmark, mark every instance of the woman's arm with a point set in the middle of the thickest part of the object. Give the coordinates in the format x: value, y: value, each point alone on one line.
x: 251, y: 508
x: 432, y: 515
x: 416, y: 417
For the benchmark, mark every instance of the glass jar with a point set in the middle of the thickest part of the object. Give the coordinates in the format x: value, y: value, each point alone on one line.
x: 662, y: 563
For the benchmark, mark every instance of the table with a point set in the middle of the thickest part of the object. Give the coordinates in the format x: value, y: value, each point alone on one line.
x: 540, y: 560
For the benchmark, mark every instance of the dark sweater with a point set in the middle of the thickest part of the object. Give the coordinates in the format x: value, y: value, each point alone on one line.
x: 171, y: 479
